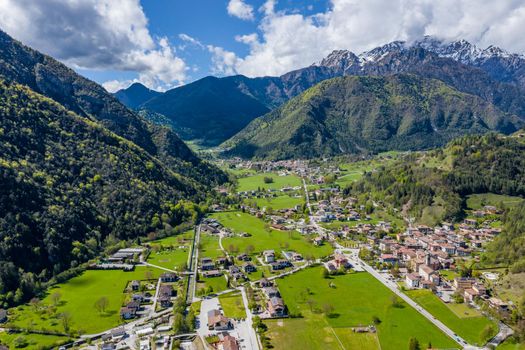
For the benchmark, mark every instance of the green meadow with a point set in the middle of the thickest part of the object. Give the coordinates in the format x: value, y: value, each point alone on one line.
x: 77, y: 298
x: 253, y: 182
x: 355, y: 299
x: 467, y: 323
x: 263, y: 238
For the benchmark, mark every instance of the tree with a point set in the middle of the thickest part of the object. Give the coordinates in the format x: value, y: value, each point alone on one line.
x: 102, y: 304
x: 178, y: 323
x: 268, y: 180
x: 376, y: 320
x: 35, y: 303
x: 328, y: 309
x: 55, y: 298
x: 325, y: 273
x: 65, y: 318
x: 413, y: 344
x: 148, y: 274
x: 488, y: 332
x: 310, y: 303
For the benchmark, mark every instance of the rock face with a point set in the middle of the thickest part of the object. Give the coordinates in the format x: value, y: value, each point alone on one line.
x: 368, y: 114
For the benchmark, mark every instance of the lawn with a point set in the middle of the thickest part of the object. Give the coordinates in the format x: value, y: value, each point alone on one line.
x: 470, y: 327
x: 265, y: 238
x: 218, y: 284
x: 508, y: 345
x: 280, y: 202
x: 449, y: 274
x: 477, y: 201
x: 209, y: 247
x: 253, y: 182
x: 170, y: 258
x: 33, y: 341
x: 232, y: 305
x: 78, y: 296
x: 356, y: 298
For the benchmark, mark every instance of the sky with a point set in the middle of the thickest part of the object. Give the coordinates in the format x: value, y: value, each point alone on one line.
x: 168, y: 43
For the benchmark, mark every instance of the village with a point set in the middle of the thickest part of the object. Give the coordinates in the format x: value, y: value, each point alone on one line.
x: 290, y: 218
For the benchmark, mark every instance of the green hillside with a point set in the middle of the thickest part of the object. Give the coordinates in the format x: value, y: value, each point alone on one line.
x: 368, y: 114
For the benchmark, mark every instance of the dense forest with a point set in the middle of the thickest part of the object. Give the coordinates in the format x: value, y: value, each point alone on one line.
x: 69, y: 187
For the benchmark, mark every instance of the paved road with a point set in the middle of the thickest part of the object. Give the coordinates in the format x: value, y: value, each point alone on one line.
x: 192, y: 266
x: 252, y: 336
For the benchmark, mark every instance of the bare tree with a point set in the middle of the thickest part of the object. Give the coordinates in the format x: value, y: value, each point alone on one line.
x: 55, y: 298
x: 65, y: 318
x: 102, y: 304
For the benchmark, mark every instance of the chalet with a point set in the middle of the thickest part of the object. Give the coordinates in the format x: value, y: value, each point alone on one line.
x: 217, y: 321
x: 169, y: 277
x: 498, y: 304
x: 318, y: 241
x: 3, y: 316
x: 276, y: 307
x: 117, y: 333
x: 388, y: 259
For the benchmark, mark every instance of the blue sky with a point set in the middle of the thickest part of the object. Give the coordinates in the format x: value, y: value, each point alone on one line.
x: 167, y: 43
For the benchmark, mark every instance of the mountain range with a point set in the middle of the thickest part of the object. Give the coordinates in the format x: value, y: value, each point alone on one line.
x: 204, y: 109
x: 355, y: 114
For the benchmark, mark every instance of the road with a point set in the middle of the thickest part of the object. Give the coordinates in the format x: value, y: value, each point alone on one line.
x: 252, y: 336
x: 192, y: 266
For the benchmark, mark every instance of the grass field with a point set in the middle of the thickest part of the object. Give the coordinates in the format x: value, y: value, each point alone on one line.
x: 170, y: 258
x: 469, y: 326
x: 217, y: 283
x: 254, y: 182
x: 477, y: 201
x: 78, y: 296
x: 232, y: 305
x: 33, y: 341
x: 280, y: 202
x: 356, y: 299
x: 508, y: 345
x: 263, y: 239
x: 209, y: 247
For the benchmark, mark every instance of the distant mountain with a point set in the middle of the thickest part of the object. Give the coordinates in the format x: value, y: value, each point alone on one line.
x: 47, y: 76
x: 368, y: 114
x: 210, y: 109
x: 135, y: 95
x: 202, y: 110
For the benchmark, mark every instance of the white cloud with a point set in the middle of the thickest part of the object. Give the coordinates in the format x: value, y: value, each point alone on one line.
x: 223, y: 61
x: 240, y: 9
x: 95, y: 34
x: 191, y: 40
x: 289, y: 40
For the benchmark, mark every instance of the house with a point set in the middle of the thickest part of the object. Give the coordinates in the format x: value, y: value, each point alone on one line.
x: 117, y: 333
x: 318, y: 241
x: 208, y: 266
x: 498, y: 304
x: 3, y: 316
x: 263, y: 283
x: 212, y: 273
x: 169, y: 277
x: 229, y: 343
x: 269, y: 256
x: 276, y: 307
x: 166, y: 291
x: 243, y: 257
x: 135, y: 285
x: 127, y: 313
x: 426, y: 272
x: 271, y: 292
x: 463, y: 282
x: 388, y: 259
x: 217, y: 321
x: 249, y: 267
x: 412, y: 280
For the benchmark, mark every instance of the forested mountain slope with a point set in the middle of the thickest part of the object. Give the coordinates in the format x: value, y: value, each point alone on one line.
x: 368, y: 114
